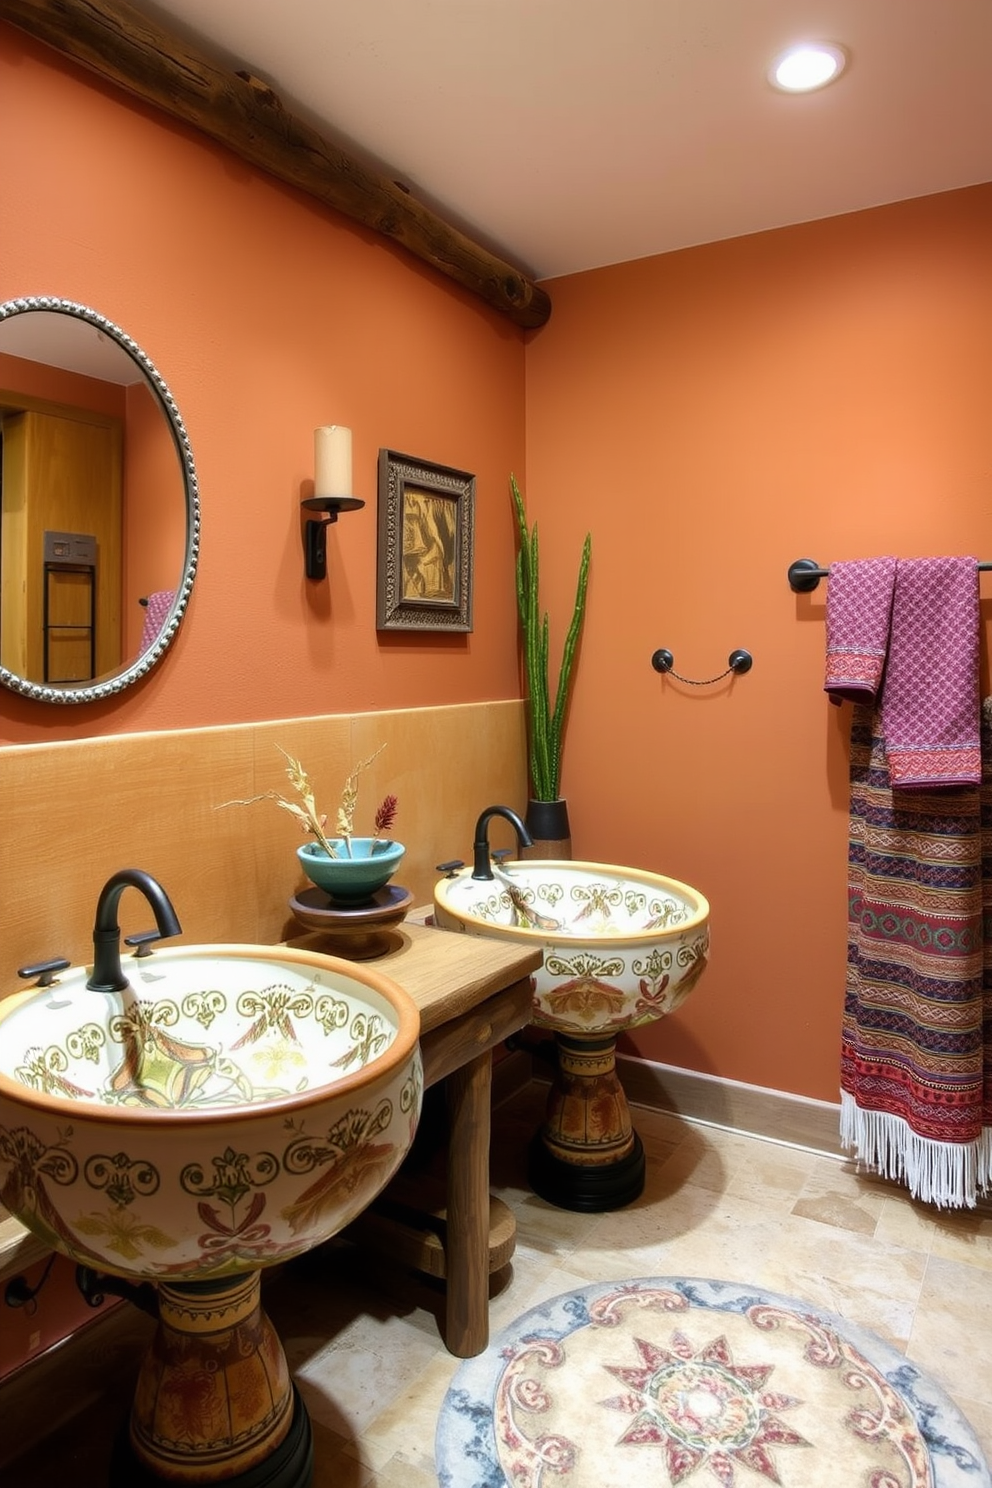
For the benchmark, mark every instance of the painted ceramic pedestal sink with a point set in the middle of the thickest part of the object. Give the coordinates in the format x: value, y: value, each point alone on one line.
x: 228, y: 1109
x: 622, y: 947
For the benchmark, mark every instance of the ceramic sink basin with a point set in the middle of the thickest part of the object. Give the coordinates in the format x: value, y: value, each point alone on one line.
x: 622, y: 946
x: 232, y: 1107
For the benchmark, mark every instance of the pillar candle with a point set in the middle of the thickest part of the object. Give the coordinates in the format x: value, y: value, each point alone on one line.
x: 332, y: 461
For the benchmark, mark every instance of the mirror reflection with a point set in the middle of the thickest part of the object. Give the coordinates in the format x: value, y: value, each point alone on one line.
x: 99, y: 512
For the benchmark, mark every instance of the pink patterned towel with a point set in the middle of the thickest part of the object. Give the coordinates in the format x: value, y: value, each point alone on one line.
x: 859, y: 614
x: 159, y: 605
x: 930, y: 704
x: 907, y: 632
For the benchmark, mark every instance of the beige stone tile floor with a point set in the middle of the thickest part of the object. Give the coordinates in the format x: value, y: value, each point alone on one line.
x: 362, y: 1335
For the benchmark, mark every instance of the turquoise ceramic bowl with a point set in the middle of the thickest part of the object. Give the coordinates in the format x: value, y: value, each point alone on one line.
x: 351, y: 880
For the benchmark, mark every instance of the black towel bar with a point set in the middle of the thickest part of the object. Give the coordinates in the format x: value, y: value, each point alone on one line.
x: 805, y: 574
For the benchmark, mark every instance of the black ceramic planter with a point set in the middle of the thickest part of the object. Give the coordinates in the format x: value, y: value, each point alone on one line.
x: 547, y: 823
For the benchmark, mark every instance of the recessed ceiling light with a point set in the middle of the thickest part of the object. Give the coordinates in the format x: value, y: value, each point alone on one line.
x: 803, y: 68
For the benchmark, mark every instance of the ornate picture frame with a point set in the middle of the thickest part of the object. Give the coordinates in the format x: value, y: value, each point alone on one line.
x: 426, y: 552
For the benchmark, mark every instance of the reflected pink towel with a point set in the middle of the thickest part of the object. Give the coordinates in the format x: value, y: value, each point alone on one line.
x: 930, y: 703
x: 859, y: 613
x: 156, y: 614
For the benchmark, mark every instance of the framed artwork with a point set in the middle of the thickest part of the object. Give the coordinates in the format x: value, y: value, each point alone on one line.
x: 426, y: 545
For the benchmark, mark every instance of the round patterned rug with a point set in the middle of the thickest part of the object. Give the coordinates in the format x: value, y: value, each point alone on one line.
x: 666, y: 1381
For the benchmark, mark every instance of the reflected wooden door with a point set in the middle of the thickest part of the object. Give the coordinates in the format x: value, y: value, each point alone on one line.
x: 60, y: 474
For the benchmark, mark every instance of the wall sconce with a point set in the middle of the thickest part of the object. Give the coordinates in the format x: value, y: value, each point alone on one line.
x: 331, y: 494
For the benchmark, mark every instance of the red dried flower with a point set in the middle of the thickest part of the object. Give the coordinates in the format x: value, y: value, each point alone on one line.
x: 386, y: 814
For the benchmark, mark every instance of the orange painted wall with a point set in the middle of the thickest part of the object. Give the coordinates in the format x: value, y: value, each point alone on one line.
x: 155, y: 521
x: 711, y: 415
x: 821, y: 391
x: 267, y: 315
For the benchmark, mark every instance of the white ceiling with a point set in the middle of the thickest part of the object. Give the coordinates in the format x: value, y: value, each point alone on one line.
x: 567, y: 134
x: 60, y: 340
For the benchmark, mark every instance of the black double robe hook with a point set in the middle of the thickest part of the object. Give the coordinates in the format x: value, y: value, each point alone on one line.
x: 738, y: 662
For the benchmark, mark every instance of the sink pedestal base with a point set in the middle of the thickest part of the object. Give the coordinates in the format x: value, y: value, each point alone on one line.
x: 214, y: 1401
x: 587, y: 1155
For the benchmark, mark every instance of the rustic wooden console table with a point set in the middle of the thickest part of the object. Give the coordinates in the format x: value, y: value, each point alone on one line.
x: 472, y: 994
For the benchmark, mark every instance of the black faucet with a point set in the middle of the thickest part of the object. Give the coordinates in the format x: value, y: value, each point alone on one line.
x: 107, y: 974
x: 483, y: 867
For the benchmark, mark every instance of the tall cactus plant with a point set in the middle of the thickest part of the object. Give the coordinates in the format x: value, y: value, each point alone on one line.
x: 546, y: 724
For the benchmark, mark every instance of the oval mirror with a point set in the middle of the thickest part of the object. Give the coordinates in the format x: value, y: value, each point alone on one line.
x: 99, y: 509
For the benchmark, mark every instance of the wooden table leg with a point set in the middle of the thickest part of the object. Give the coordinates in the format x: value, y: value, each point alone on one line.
x: 468, y: 1093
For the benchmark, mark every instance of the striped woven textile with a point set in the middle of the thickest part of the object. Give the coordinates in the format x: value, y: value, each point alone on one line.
x: 916, y: 1053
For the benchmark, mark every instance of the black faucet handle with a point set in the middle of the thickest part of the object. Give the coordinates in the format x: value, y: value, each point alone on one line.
x: 144, y: 941
x: 45, y: 971
x: 449, y: 869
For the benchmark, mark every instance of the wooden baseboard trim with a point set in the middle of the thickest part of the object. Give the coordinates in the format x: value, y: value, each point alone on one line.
x: 776, y: 1115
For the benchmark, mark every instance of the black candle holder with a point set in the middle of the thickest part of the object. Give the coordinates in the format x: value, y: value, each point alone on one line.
x: 315, y: 531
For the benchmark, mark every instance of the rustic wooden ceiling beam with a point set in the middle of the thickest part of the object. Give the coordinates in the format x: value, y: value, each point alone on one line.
x: 136, y: 53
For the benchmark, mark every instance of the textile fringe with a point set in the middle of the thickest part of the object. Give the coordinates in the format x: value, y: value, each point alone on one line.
x: 948, y: 1174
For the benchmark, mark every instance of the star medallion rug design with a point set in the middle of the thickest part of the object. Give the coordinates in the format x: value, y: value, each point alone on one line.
x: 665, y: 1381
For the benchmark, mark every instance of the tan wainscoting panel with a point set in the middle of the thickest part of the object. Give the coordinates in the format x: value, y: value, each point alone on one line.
x: 74, y: 813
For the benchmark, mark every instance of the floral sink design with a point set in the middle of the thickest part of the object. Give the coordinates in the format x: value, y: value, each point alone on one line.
x: 622, y: 946
x: 233, y: 1107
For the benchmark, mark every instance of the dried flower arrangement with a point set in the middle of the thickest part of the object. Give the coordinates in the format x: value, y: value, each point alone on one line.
x: 313, y: 822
